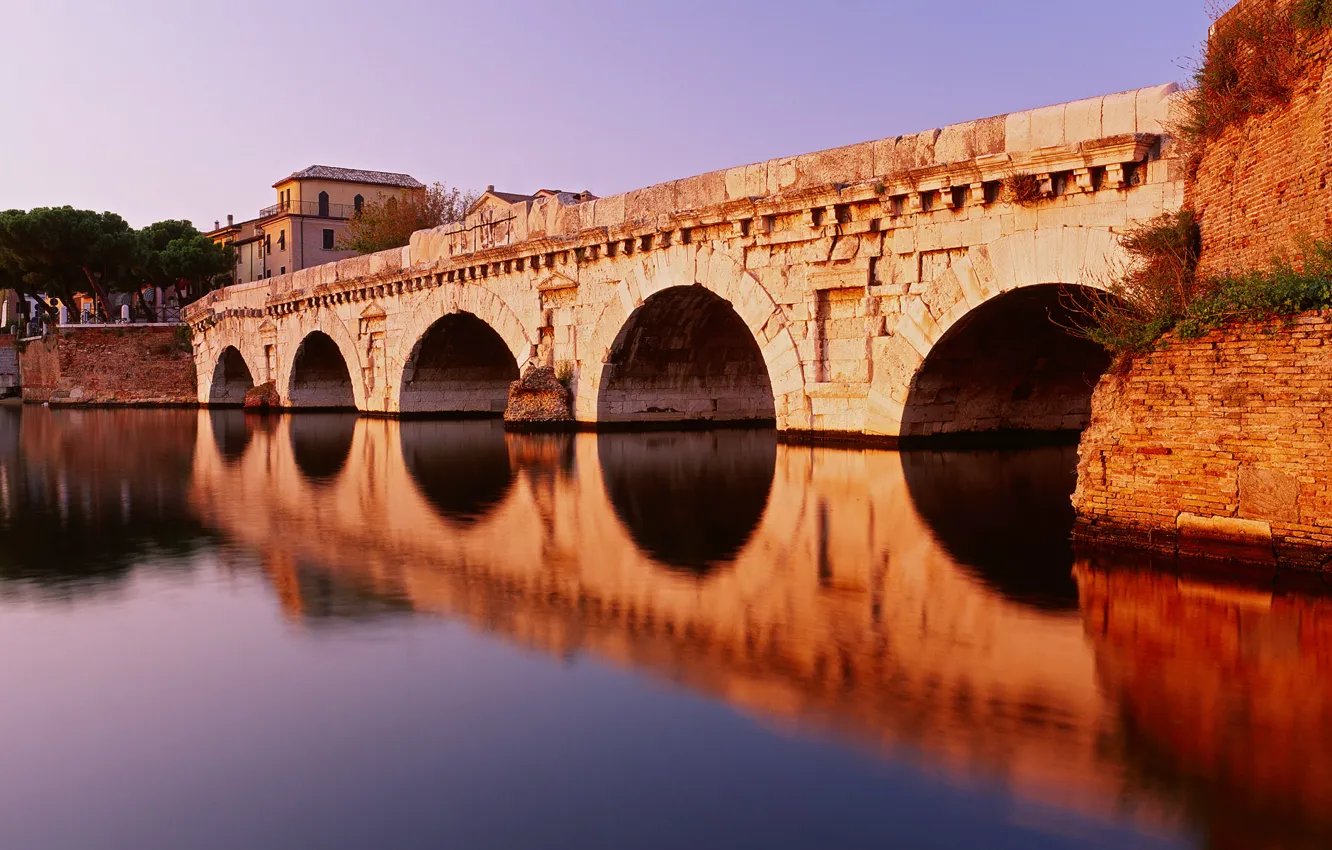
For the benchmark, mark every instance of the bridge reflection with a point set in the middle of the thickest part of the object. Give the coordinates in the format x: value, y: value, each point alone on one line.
x: 800, y: 584
x: 1004, y: 516
x: 827, y: 590
x: 691, y: 499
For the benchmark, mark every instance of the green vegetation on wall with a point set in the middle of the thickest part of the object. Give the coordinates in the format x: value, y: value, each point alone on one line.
x: 1162, y: 290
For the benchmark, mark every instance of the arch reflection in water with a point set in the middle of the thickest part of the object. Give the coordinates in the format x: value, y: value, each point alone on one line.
x: 690, y: 500
x: 232, y: 430
x: 321, y: 443
x: 462, y: 468
x: 1005, y: 515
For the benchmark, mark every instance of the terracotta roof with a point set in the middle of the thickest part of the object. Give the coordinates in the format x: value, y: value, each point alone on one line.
x: 354, y: 175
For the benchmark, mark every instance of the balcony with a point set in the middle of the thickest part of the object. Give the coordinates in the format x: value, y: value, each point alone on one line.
x: 312, y: 208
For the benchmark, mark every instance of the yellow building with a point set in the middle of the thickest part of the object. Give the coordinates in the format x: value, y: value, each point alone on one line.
x: 303, y: 228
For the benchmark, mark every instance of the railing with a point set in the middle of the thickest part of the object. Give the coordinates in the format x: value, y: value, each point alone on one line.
x: 309, y: 208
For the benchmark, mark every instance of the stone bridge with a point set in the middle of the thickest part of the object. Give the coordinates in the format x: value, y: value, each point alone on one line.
x: 901, y: 287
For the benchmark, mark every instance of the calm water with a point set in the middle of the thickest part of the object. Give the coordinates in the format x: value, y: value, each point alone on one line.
x: 325, y: 632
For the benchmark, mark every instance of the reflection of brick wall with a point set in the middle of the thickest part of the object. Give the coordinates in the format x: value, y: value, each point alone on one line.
x: 109, y: 366
x: 1220, y: 438
x: 1264, y: 183
x: 1229, y: 685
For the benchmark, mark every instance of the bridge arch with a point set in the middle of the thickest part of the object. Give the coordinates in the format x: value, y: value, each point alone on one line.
x: 320, y: 375
x: 426, y: 316
x: 231, y: 332
x: 232, y: 378
x: 460, y: 365
x: 981, y: 349
x: 659, y: 309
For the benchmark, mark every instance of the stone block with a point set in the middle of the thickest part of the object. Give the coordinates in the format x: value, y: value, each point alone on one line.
x: 1119, y: 114
x: 840, y: 165
x: 1153, y: 107
x: 972, y: 139
x: 1047, y: 126
x: 608, y: 212
x: 1017, y: 131
x: 1268, y: 494
x: 705, y: 190
x: 746, y: 181
x: 1215, y: 536
x: 1082, y: 121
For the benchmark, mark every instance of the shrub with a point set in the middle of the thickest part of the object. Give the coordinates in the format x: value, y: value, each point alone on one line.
x: 564, y: 373
x: 1024, y: 189
x: 1162, y: 291
x: 1151, y: 295
x: 1282, y: 291
x: 1313, y: 14
x: 1249, y: 66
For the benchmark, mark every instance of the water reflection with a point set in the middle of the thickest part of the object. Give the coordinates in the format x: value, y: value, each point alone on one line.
x: 86, y: 494
x: 1003, y: 514
x: 462, y: 467
x: 920, y: 607
x: 232, y: 429
x: 320, y: 443
x: 691, y: 500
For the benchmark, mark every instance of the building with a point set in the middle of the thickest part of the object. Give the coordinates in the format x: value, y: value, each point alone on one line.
x: 303, y: 228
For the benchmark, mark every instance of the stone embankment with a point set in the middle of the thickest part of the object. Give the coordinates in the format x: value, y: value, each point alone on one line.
x: 1216, y: 446
x: 1220, y: 446
x: 112, y: 365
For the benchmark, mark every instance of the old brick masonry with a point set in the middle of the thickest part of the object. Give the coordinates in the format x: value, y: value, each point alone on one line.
x: 1219, y: 440
x: 109, y: 365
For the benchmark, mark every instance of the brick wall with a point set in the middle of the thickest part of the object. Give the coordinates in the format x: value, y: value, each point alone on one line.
x: 1216, y: 446
x: 8, y: 365
x: 113, y: 365
x: 1265, y: 183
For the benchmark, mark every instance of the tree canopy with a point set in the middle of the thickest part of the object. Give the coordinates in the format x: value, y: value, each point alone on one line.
x: 382, y: 225
x: 59, y: 251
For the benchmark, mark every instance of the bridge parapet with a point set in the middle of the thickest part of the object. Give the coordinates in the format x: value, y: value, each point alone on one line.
x: 842, y: 270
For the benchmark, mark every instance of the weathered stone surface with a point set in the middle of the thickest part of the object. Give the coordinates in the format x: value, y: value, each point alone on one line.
x: 538, y: 396
x: 263, y: 397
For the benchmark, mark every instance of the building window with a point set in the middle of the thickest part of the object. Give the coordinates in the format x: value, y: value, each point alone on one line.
x: 282, y: 270
x: 328, y: 240
x: 268, y: 243
x: 282, y: 240
x: 268, y: 272
x: 323, y: 204
x: 358, y: 202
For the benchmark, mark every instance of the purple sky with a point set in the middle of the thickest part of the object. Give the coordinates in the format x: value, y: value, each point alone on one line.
x: 191, y: 110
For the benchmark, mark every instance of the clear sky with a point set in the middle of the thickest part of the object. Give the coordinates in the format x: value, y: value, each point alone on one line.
x: 182, y: 109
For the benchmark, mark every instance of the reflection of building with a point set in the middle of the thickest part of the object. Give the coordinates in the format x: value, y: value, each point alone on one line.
x: 302, y: 229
